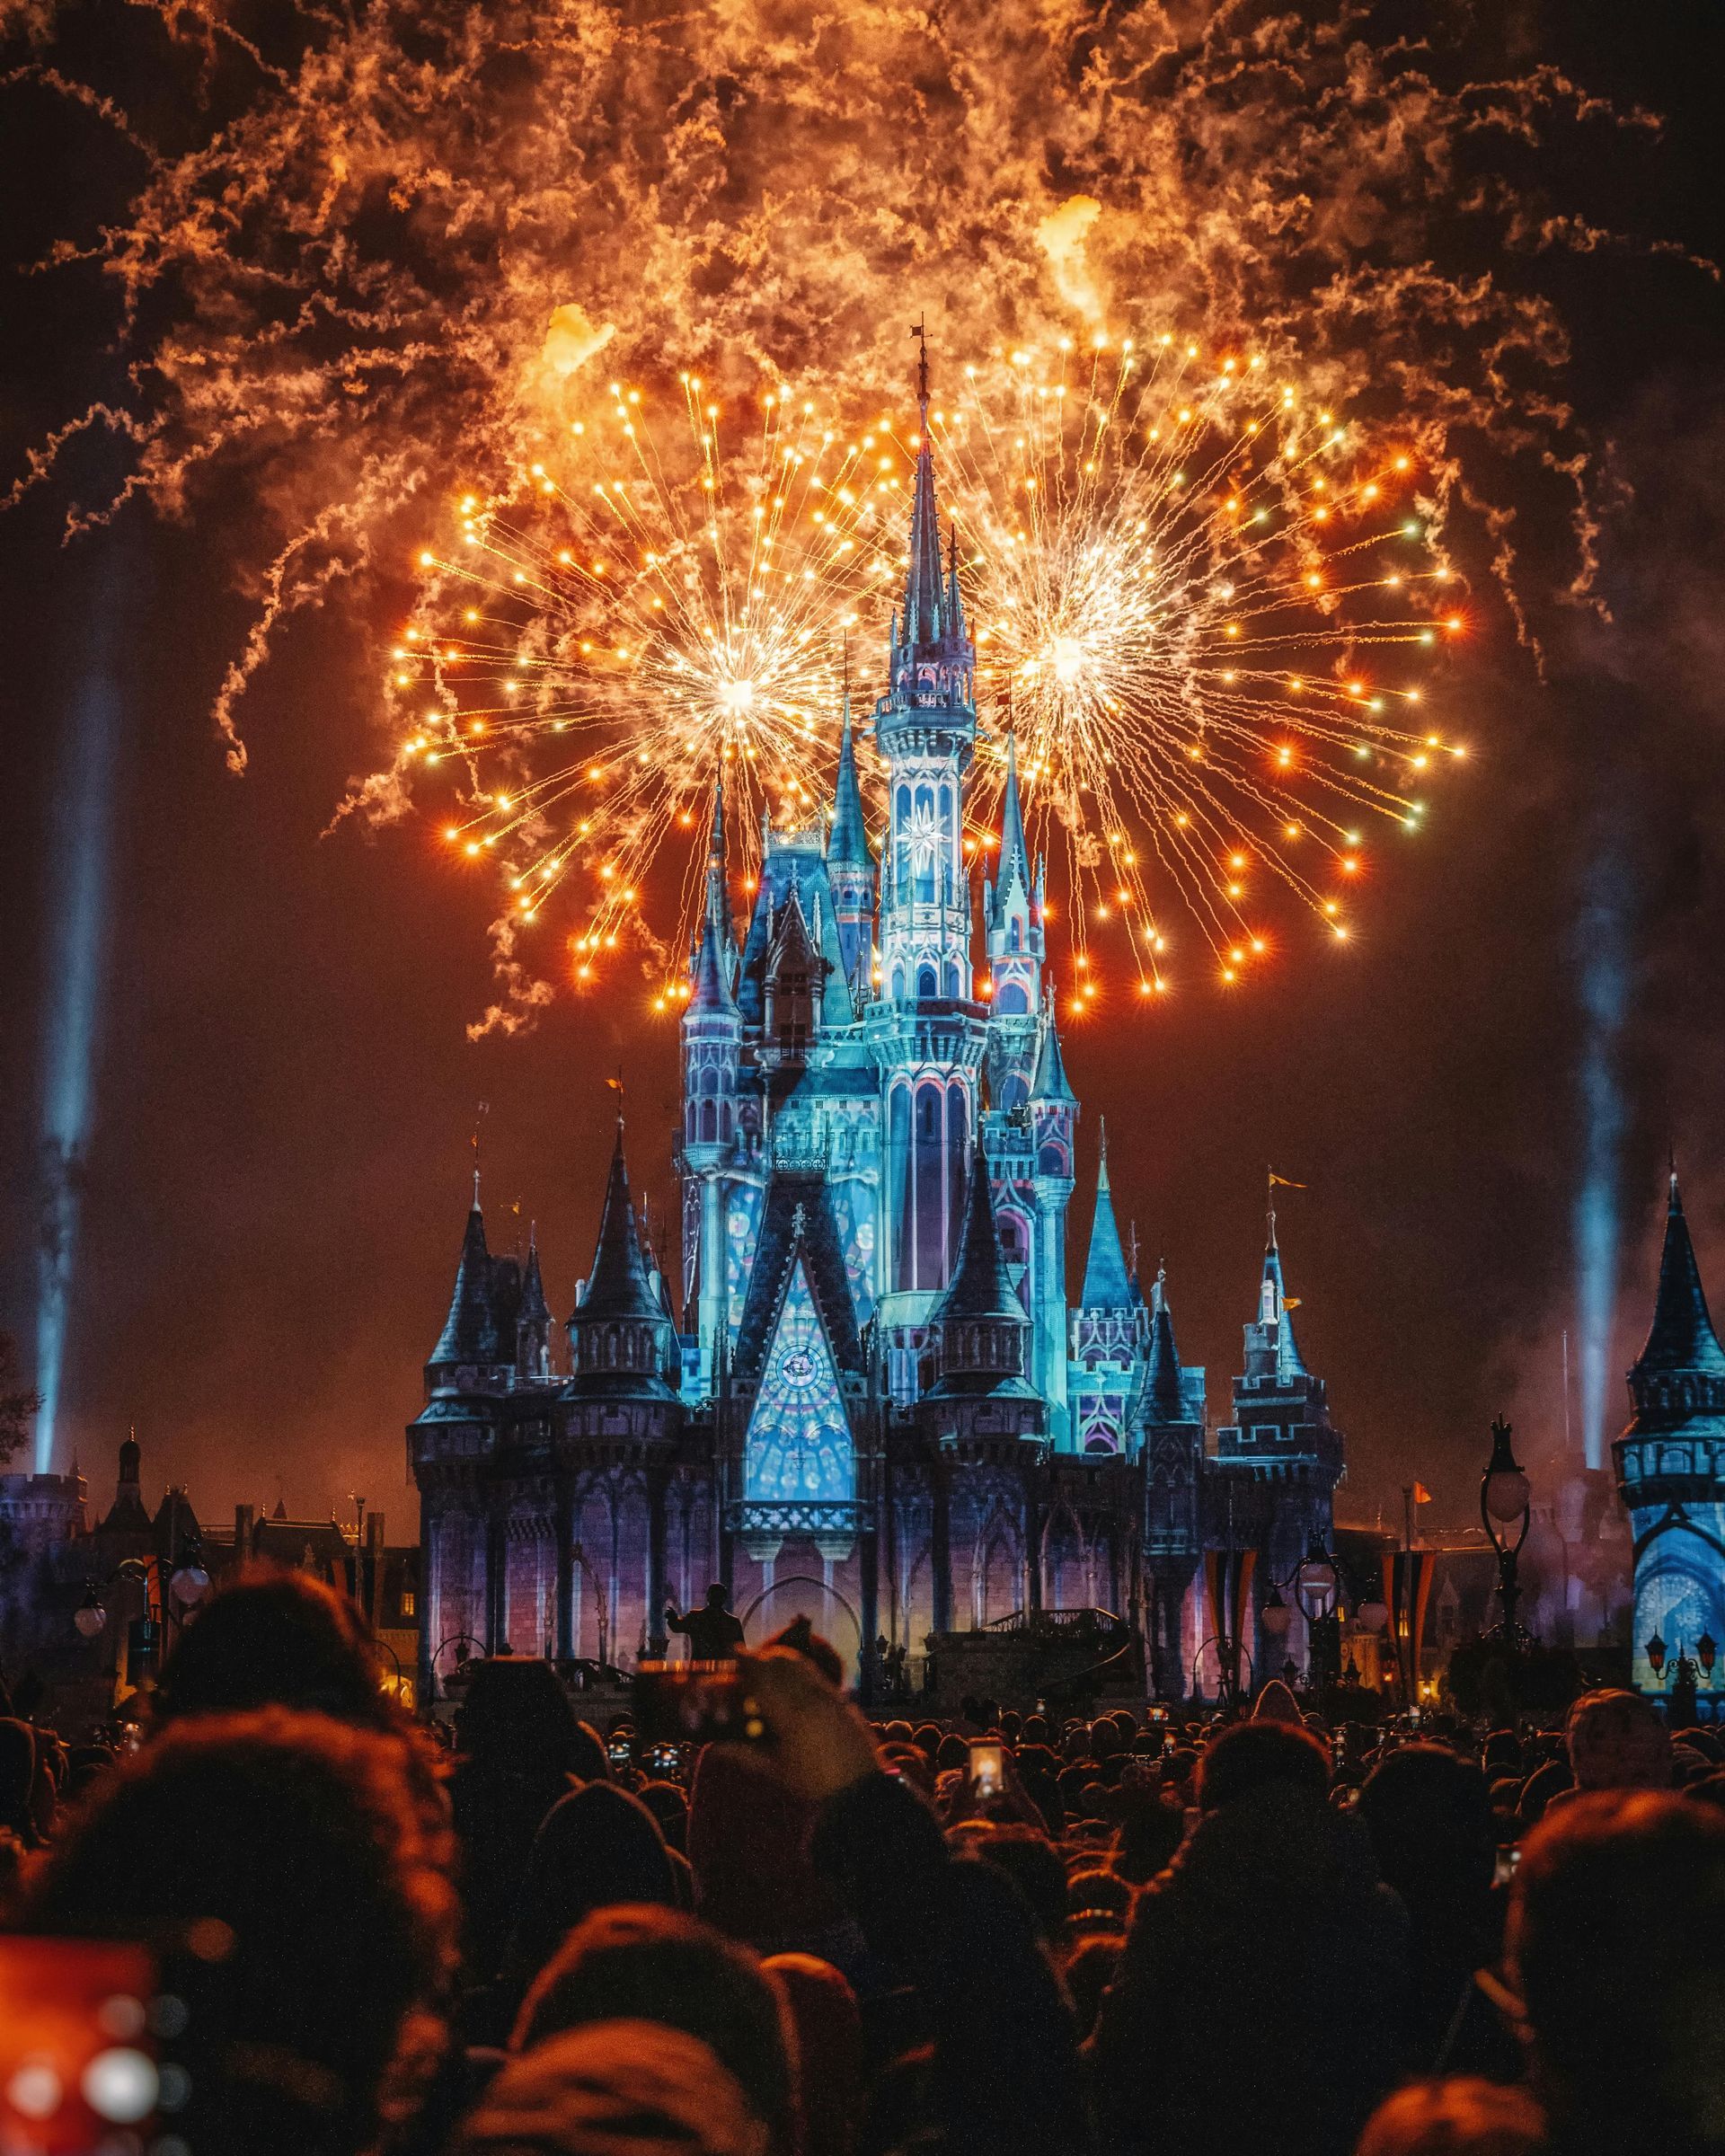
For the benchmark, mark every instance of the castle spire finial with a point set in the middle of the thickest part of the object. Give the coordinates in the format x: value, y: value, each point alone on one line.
x: 919, y: 331
x: 483, y: 1109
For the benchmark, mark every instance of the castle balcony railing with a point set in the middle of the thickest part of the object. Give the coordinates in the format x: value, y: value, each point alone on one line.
x: 835, y: 1518
x: 1670, y: 1471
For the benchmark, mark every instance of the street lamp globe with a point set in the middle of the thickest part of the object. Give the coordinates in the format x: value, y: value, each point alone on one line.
x: 1373, y: 1614
x: 1315, y: 1581
x: 89, y: 1616
x: 1275, y: 1615
x: 190, y: 1584
x: 1508, y: 1491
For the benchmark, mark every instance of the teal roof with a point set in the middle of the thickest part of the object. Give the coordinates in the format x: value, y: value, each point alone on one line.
x: 847, y: 842
x: 1106, y: 1284
x: 1049, y: 1081
x: 1681, y: 1338
x: 981, y: 1286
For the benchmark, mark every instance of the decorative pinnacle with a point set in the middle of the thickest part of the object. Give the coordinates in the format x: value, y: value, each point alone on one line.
x: 919, y: 331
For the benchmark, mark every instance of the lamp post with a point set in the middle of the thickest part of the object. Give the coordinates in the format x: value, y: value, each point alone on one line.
x: 185, y: 1587
x: 1505, y: 1502
x: 1316, y: 1584
x: 1653, y: 1647
x: 1706, y: 1654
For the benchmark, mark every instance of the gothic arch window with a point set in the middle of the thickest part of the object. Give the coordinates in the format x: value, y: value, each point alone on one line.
x: 709, y: 1122
x: 928, y: 986
x: 1011, y: 1001
x: 952, y: 988
x: 798, y: 1448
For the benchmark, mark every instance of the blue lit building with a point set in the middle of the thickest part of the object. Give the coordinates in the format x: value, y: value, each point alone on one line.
x: 1670, y: 1463
x: 874, y: 1401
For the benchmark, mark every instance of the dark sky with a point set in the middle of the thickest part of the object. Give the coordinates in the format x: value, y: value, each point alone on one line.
x: 279, y: 1170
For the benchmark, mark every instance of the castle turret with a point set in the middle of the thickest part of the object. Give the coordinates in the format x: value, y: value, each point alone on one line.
x: 473, y: 1351
x: 1670, y: 1461
x: 980, y: 1320
x: 1053, y: 1116
x: 1108, y: 1330
x: 926, y: 727
x: 850, y: 868
x: 623, y: 1342
x: 1167, y: 1425
x: 533, y: 1321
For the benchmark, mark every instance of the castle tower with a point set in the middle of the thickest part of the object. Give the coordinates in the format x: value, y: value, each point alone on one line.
x: 1670, y: 1461
x: 925, y: 728
x: 1053, y: 1108
x: 712, y: 1031
x: 850, y: 871
x: 982, y: 1325
x: 928, y: 1035
x: 1012, y: 912
x: 1107, y: 1328
x: 1167, y: 1422
x: 1281, y: 1451
x: 623, y: 1343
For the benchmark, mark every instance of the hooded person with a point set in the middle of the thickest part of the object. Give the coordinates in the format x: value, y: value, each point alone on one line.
x: 618, y: 2088
x: 1277, y: 1704
x: 597, y: 1846
x: 1269, y: 1866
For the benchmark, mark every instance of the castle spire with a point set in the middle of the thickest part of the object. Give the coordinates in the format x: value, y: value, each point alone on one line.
x: 1161, y: 1382
x: 1106, y: 1285
x: 981, y: 1286
x: 717, y: 896
x: 1014, y: 856
x: 847, y: 842
x: 618, y: 1286
x: 469, y: 1333
x: 1682, y: 1336
x: 925, y: 620
x: 710, y: 990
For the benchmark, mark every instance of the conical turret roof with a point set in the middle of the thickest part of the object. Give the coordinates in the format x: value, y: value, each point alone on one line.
x: 1106, y: 1285
x: 981, y: 1286
x: 1049, y: 1080
x: 534, y: 1310
x: 711, y: 991
x: 1162, y: 1383
x: 1014, y: 856
x: 469, y: 1333
x: 1681, y: 1337
x: 618, y: 1286
x: 847, y: 842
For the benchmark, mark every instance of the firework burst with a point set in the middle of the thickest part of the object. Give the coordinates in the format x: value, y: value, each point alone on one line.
x: 1201, y: 601
x: 650, y: 618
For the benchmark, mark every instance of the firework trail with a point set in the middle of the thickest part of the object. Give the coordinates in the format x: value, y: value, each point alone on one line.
x: 409, y: 243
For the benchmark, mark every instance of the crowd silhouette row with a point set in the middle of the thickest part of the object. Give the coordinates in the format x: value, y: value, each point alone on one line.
x: 1160, y: 1932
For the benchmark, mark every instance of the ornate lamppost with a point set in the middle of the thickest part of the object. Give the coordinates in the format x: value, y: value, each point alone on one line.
x: 1505, y: 1504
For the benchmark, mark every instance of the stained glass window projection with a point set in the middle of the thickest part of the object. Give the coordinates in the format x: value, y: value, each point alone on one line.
x: 799, y: 1441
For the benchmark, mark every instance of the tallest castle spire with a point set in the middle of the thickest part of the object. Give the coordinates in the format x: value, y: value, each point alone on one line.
x: 931, y: 657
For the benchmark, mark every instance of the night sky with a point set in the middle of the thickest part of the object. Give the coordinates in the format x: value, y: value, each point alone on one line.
x: 278, y: 1167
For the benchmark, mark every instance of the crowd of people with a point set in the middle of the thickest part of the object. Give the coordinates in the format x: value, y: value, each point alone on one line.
x: 1160, y: 1931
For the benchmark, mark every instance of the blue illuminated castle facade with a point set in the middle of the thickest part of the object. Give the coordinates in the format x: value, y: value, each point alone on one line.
x: 882, y: 1405
x: 1670, y: 1465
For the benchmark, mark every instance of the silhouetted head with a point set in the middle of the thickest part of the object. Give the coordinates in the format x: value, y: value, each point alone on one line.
x: 1616, y: 1944
x: 1254, y: 1755
x: 271, y: 1637
x: 518, y: 1717
x: 1431, y: 1823
x: 271, y: 1838
x: 655, y: 1964
x: 717, y: 1596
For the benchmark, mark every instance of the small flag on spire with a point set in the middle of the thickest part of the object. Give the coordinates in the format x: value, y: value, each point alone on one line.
x: 1421, y: 1495
x: 1285, y: 1182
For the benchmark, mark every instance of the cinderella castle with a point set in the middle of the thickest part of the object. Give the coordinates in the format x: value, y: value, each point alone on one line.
x: 881, y: 1406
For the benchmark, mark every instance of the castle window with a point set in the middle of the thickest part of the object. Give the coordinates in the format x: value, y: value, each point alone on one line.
x: 927, y: 985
